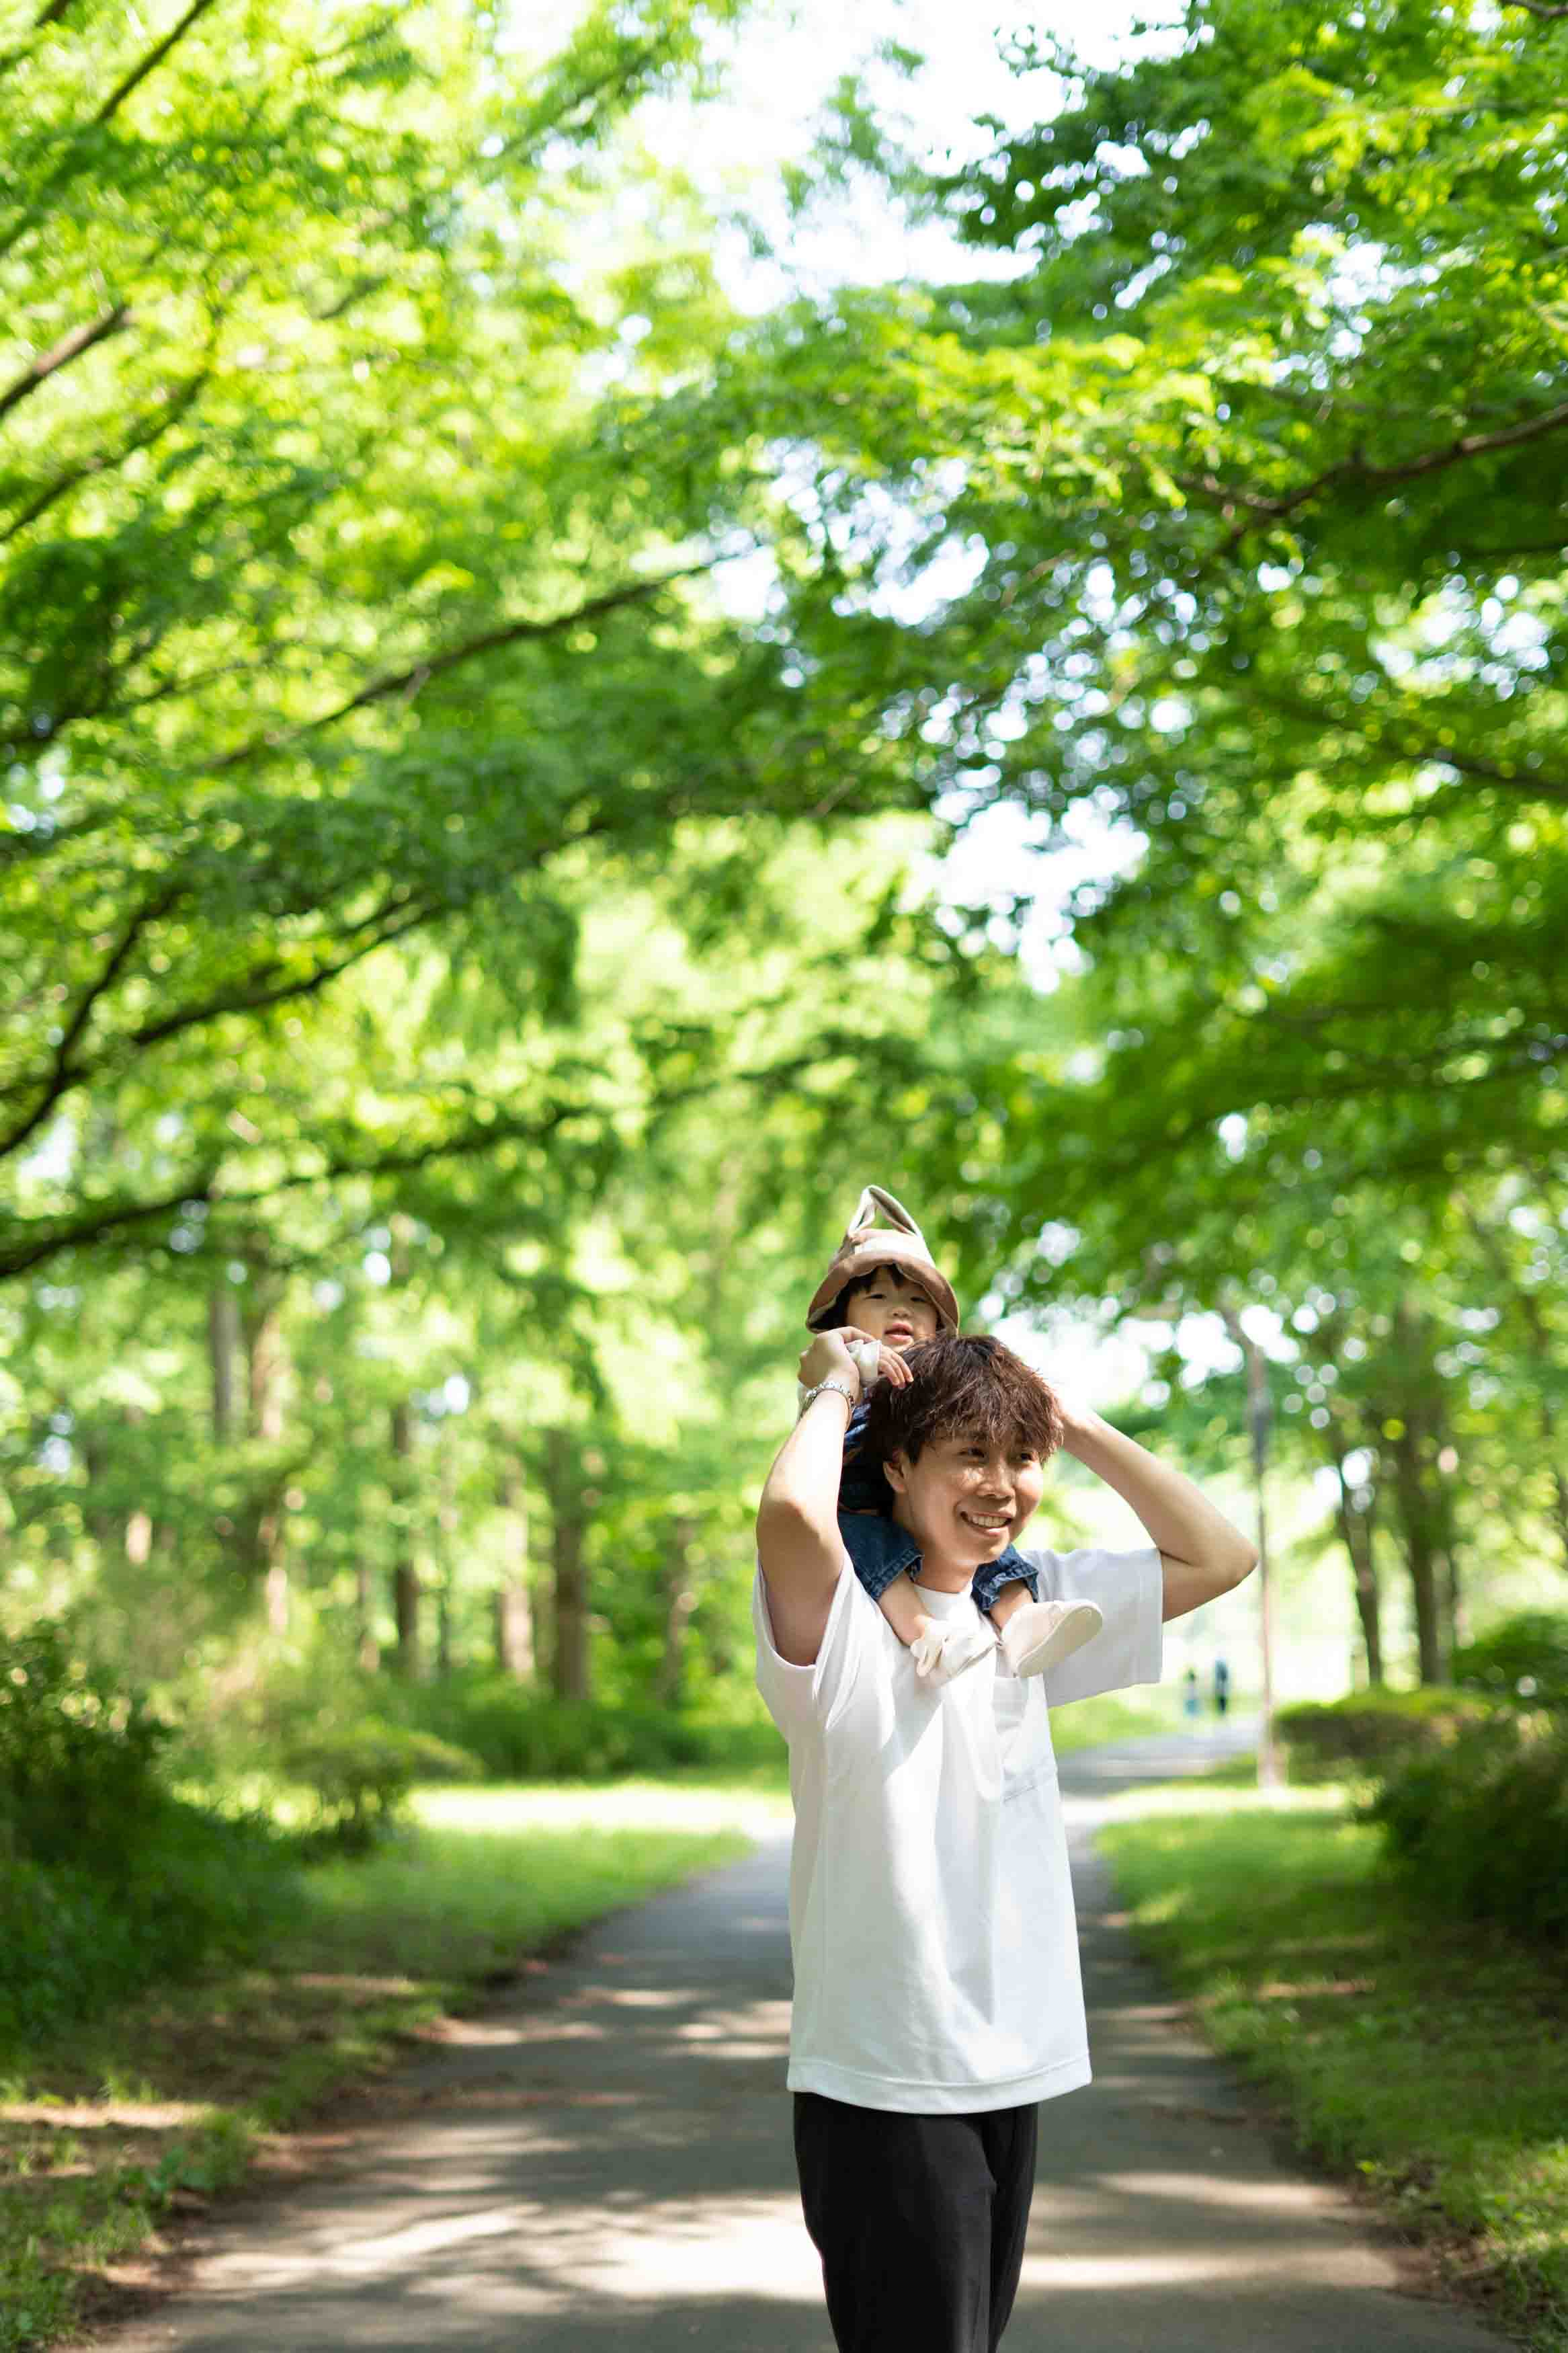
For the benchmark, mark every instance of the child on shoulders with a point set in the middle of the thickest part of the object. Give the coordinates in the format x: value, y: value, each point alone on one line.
x: 885, y: 1292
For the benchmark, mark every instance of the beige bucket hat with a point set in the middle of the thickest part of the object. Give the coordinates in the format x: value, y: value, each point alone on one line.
x: 882, y: 1233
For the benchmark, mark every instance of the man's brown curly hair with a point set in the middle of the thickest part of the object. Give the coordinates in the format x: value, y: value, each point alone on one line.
x: 960, y: 1385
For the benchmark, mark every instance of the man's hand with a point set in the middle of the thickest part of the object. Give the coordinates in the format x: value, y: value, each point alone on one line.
x: 1201, y: 1554
x: 1076, y: 1423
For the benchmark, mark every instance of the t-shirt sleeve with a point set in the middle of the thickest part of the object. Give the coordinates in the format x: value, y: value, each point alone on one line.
x: 807, y: 1700
x: 1130, y: 1587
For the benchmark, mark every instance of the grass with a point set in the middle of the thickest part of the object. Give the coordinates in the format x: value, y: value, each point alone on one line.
x: 1429, y: 2061
x: 171, y: 2099
x: 1116, y: 1715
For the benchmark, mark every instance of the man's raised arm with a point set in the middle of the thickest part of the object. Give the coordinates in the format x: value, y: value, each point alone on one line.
x: 1201, y: 1554
x: 798, y: 1543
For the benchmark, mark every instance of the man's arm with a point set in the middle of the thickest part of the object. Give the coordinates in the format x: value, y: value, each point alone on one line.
x: 798, y: 1543
x: 1201, y: 1554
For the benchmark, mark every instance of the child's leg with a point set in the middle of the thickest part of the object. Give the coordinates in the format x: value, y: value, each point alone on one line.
x: 1012, y: 1599
x: 899, y: 1605
x: 881, y: 1554
x: 940, y: 1647
x: 1035, y: 1635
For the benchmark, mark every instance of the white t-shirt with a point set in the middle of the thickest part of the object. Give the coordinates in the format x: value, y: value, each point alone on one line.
x: 931, y: 1907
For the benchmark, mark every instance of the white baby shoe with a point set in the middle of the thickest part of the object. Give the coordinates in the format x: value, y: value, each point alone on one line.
x: 946, y: 1649
x: 1043, y: 1633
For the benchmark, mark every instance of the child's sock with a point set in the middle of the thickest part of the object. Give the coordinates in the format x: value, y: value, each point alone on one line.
x: 946, y: 1649
x: 1041, y: 1633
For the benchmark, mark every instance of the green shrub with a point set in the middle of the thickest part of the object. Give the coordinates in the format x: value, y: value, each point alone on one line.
x: 312, y: 1737
x: 1367, y: 1731
x: 520, y: 1736
x: 1479, y: 1828
x: 359, y: 1774
x: 78, y: 1757
x: 74, y: 1939
x: 1523, y: 1661
x: 107, y: 1881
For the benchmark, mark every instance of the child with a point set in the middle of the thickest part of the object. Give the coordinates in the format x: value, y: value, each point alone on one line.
x: 885, y: 1293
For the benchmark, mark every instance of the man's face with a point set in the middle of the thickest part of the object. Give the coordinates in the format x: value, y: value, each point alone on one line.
x: 967, y: 1498
x: 894, y: 1309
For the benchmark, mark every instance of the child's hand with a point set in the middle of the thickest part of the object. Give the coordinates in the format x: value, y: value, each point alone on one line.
x: 889, y: 1362
x: 827, y: 1359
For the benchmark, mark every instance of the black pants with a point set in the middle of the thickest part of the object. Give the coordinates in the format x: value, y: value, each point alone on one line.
x: 918, y: 2220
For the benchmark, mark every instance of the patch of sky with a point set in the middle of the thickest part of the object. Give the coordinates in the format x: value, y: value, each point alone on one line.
x: 1030, y: 868
x: 52, y: 1158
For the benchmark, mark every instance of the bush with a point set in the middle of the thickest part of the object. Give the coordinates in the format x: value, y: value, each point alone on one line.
x: 78, y: 1757
x: 72, y: 1941
x: 1479, y: 1828
x: 519, y: 1737
x: 314, y: 1739
x: 359, y: 1775
x: 107, y: 1881
x: 1368, y: 1732
x: 1523, y: 1661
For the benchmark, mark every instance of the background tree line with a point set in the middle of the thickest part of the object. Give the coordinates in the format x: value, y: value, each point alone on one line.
x: 463, y: 947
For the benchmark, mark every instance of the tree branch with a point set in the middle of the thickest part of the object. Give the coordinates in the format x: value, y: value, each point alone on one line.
x: 61, y: 1079
x: 252, y: 996
x: 69, y: 347
x: 1230, y: 496
x: 153, y: 57
x: 410, y: 681
x: 1521, y: 780
x: 102, y: 1219
x: 18, y: 1257
x: 144, y: 436
x: 63, y: 169
x: 51, y: 14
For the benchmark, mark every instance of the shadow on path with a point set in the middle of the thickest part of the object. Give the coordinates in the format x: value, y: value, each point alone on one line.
x: 604, y: 2158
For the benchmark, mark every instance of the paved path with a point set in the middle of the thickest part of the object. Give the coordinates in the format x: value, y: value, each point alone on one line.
x: 603, y: 2161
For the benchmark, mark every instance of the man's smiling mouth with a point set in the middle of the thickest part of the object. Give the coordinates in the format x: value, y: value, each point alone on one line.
x: 990, y: 1524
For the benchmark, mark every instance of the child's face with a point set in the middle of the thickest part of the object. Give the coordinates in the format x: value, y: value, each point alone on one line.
x: 894, y: 1309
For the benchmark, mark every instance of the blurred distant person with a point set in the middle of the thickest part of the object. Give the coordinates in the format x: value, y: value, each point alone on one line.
x: 1221, y: 1687
x: 1190, y: 1692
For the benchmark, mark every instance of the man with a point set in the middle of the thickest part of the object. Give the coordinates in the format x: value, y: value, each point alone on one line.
x: 937, y: 1996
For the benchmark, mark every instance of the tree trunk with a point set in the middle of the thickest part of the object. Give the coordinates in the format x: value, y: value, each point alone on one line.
x: 1421, y: 1551
x: 223, y: 1339
x: 368, y: 1649
x: 266, y: 1368
x: 267, y: 1363
x: 95, y: 1459
x: 680, y: 1601
x: 1355, y: 1534
x: 514, y: 1602
x: 138, y: 1535
x: 1453, y: 1601
x: 569, y: 1664
x: 405, y: 1573
x: 1543, y: 1348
